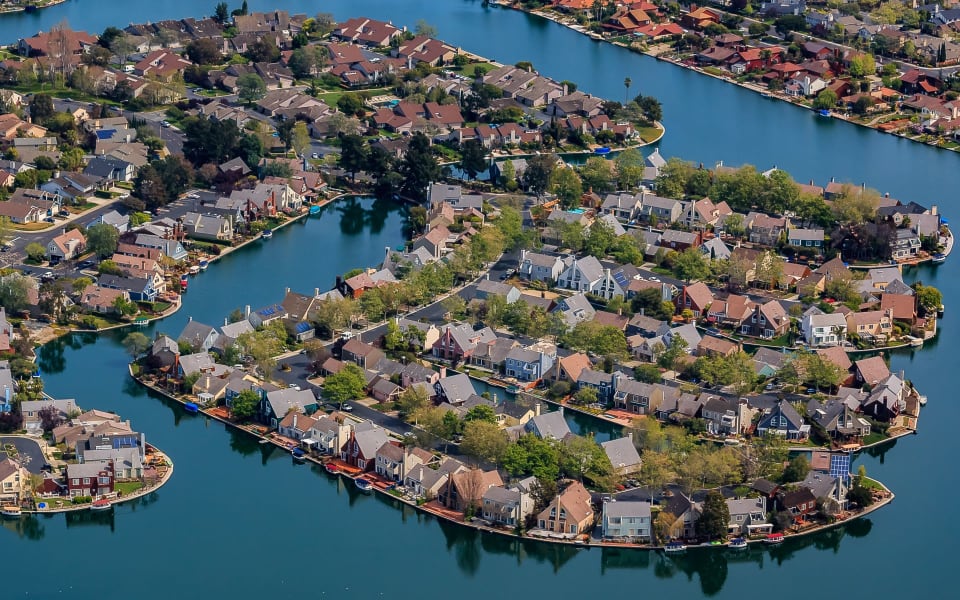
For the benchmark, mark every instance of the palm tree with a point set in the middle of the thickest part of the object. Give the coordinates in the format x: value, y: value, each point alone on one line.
x: 626, y: 83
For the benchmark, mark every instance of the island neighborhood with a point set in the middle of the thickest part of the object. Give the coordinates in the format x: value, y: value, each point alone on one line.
x: 729, y: 322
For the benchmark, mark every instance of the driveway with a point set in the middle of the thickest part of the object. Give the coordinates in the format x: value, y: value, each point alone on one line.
x: 30, y: 455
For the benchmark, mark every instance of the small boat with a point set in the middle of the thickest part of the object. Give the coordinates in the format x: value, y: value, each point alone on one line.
x: 939, y: 258
x: 191, y: 407
x: 767, y: 95
x: 183, y: 283
x: 737, y: 544
x: 513, y: 389
x: 922, y: 400
x: 824, y: 112
x: 204, y: 264
x: 314, y: 210
x: 364, y: 485
x: 731, y: 442
x: 194, y: 270
x: 298, y: 455
x: 673, y: 547
x: 331, y: 468
x: 267, y: 234
x: 940, y: 310
x: 773, y: 539
x: 11, y: 511
x: 101, y: 504
x: 601, y: 150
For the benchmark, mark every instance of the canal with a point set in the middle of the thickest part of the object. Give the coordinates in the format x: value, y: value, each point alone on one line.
x: 239, y: 519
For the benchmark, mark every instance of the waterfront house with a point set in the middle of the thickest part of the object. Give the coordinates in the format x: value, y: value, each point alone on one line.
x: 767, y: 320
x: 685, y: 514
x: 277, y: 403
x: 196, y: 363
x: 570, y: 513
x: 327, y: 436
x: 126, y: 463
x: 902, y: 306
x: 783, y: 420
x: 507, y: 507
x: 550, y: 425
x: 627, y: 521
x: 904, y: 244
x: 465, y: 489
x: 12, y: 478
x: 360, y: 451
x: 164, y: 352
x: 457, y: 342
x: 454, y: 389
x: 425, y: 482
x: 201, y: 337
x: 637, y: 397
x: 748, y: 516
x: 568, y: 368
x: 30, y: 411
x: 90, y: 479
x: 823, y: 329
x: 871, y: 371
x: 295, y: 425
x: 266, y: 315
x: 887, y: 399
x: 66, y: 246
x: 101, y: 300
x: 493, y: 355
x: 839, y: 420
x: 394, y: 465
x: 871, y: 325
x: 799, y: 502
x: 526, y: 364
x: 603, y: 383
x: 623, y: 455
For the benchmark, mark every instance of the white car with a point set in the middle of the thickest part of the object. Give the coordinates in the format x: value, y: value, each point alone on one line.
x: 348, y: 407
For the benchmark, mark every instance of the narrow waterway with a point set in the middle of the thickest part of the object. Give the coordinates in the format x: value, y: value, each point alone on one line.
x: 240, y: 520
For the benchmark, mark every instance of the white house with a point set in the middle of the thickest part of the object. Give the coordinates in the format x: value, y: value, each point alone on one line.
x: 824, y: 329
x: 629, y: 521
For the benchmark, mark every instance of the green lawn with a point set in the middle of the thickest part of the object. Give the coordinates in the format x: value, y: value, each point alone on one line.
x: 873, y: 438
x: 871, y: 484
x: 128, y: 487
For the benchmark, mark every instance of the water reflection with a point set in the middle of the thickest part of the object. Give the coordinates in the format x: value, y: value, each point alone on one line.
x: 95, y: 518
x: 27, y: 527
x: 355, y: 217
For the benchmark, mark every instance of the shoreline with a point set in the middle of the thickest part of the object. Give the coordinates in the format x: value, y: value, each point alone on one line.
x: 384, y: 488
x: 752, y: 88
x: 35, y: 7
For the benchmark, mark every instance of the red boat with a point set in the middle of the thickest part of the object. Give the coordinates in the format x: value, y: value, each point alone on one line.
x: 773, y: 538
x: 332, y: 468
x: 101, y: 504
x: 183, y: 283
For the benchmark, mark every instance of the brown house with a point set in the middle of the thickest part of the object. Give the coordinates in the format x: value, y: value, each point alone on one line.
x: 569, y: 513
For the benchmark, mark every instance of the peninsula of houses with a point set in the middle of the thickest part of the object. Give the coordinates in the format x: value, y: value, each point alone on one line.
x: 69, y: 459
x: 891, y: 68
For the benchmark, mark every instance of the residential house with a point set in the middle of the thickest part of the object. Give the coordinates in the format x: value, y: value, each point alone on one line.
x: 696, y: 298
x: 568, y: 368
x: 493, y: 355
x: 704, y: 213
x: 465, y: 489
x: 200, y: 337
x: 363, y: 355
x: 823, y: 329
x: 805, y: 238
x: 296, y: 426
x: 767, y: 320
x: 455, y: 389
x: 660, y: 210
x: 487, y: 288
x: 748, y: 516
x: 66, y: 246
x: 764, y: 229
x: 425, y: 482
x: 12, y: 478
x: 838, y: 418
x: 628, y: 521
x: 871, y: 371
x: 886, y: 400
x: 540, y: 267
x: 623, y: 455
x: 716, y: 346
x: 871, y: 325
x: 276, y: 404
x: 361, y: 448
x: 570, y: 513
x: 575, y: 309
x: 685, y: 514
x: 674, y: 239
x: 527, y: 364
x: 457, y: 342
x: 783, y: 420
x: 905, y: 244
x: 90, y: 479
x: 902, y: 306
x: 734, y: 310
x: 327, y: 436
x: 550, y: 425
x: 507, y: 507
x: 637, y: 397
x: 603, y: 383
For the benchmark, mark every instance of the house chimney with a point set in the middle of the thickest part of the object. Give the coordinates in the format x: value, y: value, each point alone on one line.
x: 630, y: 435
x: 189, y: 319
x: 225, y: 322
x: 286, y: 290
x: 443, y: 372
x: 246, y: 311
x: 316, y: 292
x: 561, y: 410
x: 536, y: 409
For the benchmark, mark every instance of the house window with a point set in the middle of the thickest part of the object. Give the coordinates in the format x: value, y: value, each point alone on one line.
x: 86, y: 481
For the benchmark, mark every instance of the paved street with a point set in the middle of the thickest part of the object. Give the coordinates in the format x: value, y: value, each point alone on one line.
x: 29, y: 453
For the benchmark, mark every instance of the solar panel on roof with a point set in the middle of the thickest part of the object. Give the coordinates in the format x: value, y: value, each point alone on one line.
x: 839, y: 465
x: 105, y: 134
x: 620, y: 278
